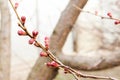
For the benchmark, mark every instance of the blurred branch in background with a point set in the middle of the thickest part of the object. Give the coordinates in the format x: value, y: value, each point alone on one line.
x: 5, y: 47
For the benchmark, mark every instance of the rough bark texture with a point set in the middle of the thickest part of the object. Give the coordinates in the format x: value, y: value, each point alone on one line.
x: 95, y: 49
x: 93, y: 61
x: 58, y: 38
x: 66, y: 23
x: 4, y: 41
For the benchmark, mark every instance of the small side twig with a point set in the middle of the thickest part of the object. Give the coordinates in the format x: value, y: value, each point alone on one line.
x: 109, y: 15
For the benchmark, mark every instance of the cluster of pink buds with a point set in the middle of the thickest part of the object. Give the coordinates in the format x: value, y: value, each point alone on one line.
x: 34, y: 32
x: 52, y: 64
x: 32, y: 40
x: 23, y: 18
x: 117, y: 22
x: 43, y: 54
x: 46, y: 41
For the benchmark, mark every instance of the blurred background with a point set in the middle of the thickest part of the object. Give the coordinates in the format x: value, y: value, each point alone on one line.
x: 90, y: 34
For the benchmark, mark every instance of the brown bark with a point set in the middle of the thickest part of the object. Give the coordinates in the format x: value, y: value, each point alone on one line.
x: 66, y: 23
x: 92, y: 61
x: 58, y: 38
x: 4, y: 41
x: 94, y: 51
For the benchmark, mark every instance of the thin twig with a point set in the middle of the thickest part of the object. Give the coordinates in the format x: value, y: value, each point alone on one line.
x: 102, y: 17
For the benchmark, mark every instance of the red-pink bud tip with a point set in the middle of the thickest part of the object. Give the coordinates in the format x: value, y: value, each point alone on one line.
x: 31, y: 41
x: 48, y: 64
x: 20, y: 32
x: 117, y: 22
x: 34, y: 33
x: 52, y: 64
x: 16, y: 5
x: 43, y: 54
x: 46, y: 38
x: 109, y: 14
x: 23, y: 19
x: 46, y: 43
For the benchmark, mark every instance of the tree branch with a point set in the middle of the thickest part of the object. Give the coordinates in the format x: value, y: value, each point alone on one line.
x: 92, y: 61
x: 66, y: 23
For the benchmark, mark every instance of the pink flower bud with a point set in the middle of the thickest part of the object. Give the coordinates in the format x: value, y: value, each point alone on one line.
x: 23, y: 19
x: 20, y: 32
x: 34, y: 33
x: 46, y: 43
x: 46, y: 38
x: 43, y: 54
x: 48, y: 64
x: 52, y: 64
x: 109, y: 14
x: 16, y: 5
x: 31, y: 41
x: 117, y: 22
